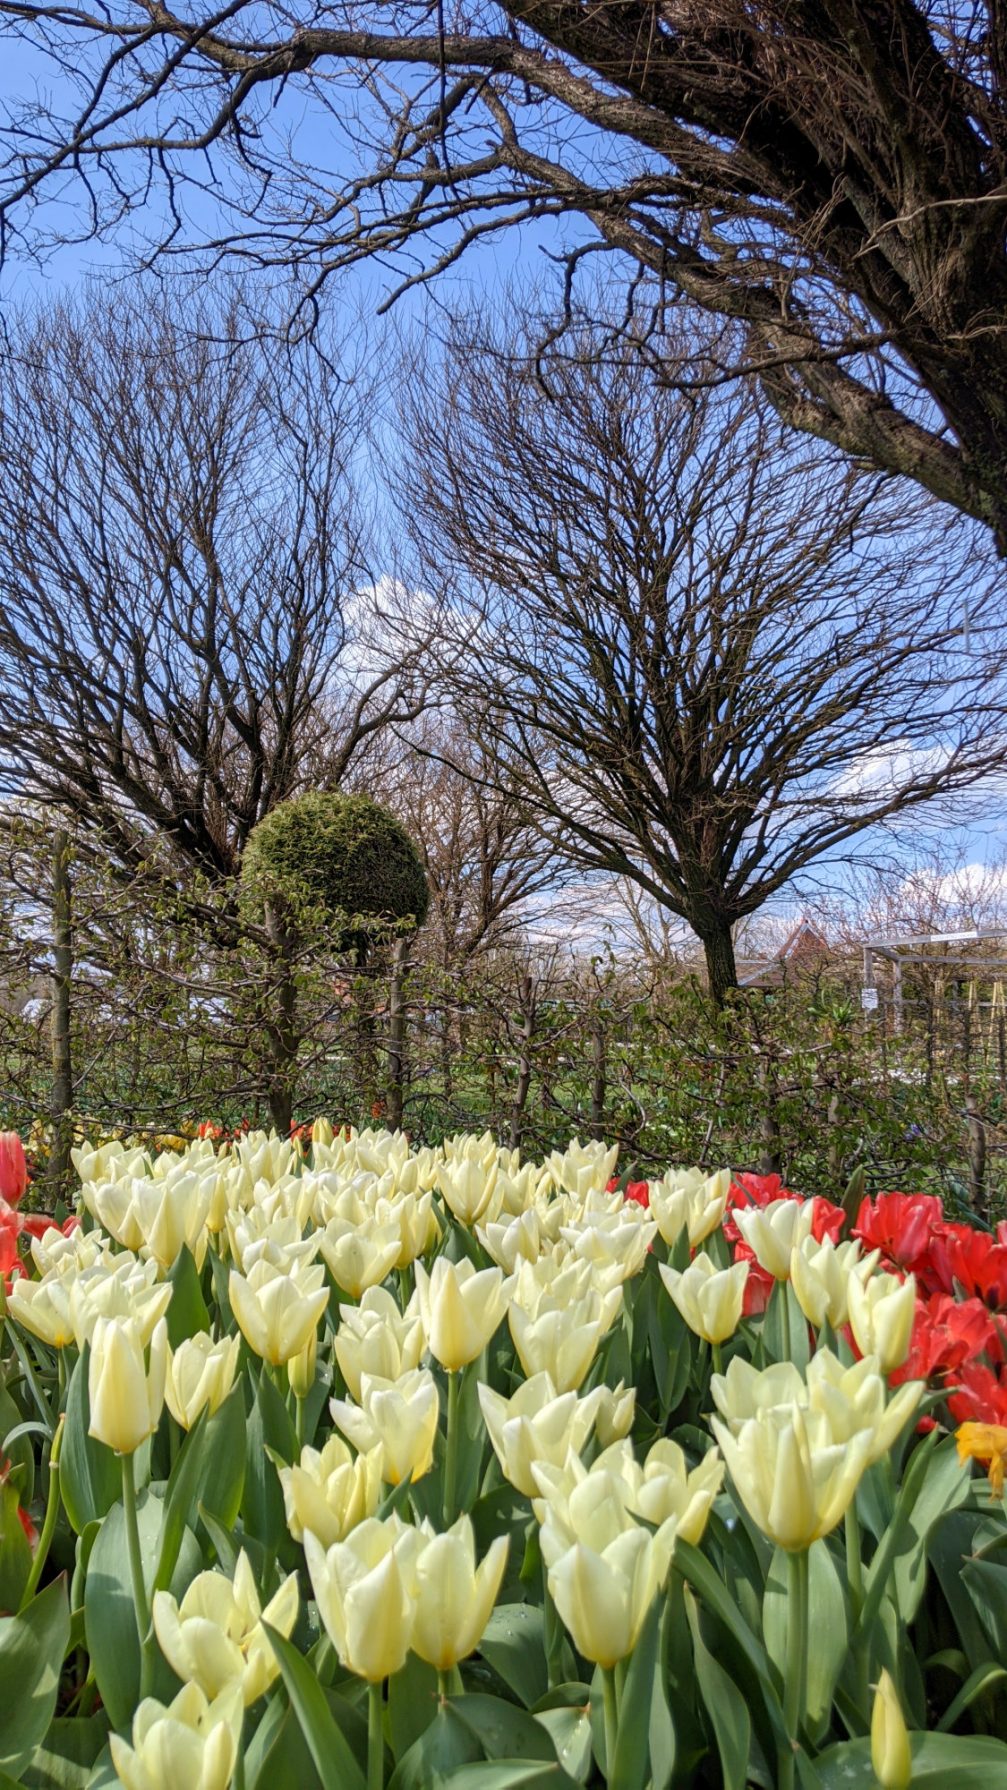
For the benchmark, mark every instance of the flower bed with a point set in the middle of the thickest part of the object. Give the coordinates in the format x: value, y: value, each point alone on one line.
x: 333, y: 1461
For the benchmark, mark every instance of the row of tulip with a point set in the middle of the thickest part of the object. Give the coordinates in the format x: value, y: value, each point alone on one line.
x: 334, y: 1461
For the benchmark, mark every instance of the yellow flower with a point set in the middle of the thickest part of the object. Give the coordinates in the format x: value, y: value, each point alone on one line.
x: 773, y: 1232
x: 215, y: 1638
x: 461, y: 1308
x: 686, y: 1199
x: 985, y: 1442
x: 852, y: 1399
x: 44, y: 1308
x: 321, y: 1132
x: 454, y: 1596
x: 376, y: 1338
x: 400, y: 1415
x: 467, y: 1187
x: 331, y: 1491
x: 820, y: 1275
x: 171, y: 1214
x: 200, y: 1372
x: 581, y: 1169
x: 276, y: 1312
x: 604, y: 1588
x: 189, y: 1745
x: 118, y: 1287
x: 881, y: 1317
x: 360, y: 1255
x: 794, y: 1478
x: 365, y: 1591
x: 709, y: 1299
x: 563, y: 1342
x: 126, y: 1394
x: 891, y: 1755
x: 537, y: 1425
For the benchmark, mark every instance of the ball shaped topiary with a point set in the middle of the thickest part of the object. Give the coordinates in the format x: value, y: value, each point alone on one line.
x: 339, y: 855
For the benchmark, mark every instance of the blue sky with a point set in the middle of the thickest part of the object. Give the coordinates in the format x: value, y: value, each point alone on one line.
x: 513, y: 261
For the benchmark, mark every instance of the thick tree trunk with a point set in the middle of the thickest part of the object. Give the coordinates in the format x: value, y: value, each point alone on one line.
x: 62, y: 1061
x: 721, y: 970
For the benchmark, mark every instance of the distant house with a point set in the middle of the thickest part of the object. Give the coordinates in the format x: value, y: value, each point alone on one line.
x: 805, y: 949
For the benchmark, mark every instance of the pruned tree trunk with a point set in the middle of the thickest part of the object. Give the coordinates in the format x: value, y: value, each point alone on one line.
x: 397, y: 1033
x: 721, y: 968
x: 282, y: 1029
x: 62, y: 1059
x: 599, y: 1080
x: 529, y: 1003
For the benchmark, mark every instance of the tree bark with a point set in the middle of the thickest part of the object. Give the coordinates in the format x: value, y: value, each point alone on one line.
x: 397, y: 1033
x: 62, y: 1059
x: 721, y: 969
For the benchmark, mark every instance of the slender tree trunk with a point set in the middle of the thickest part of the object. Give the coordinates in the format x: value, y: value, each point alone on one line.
x: 598, y: 1081
x: 397, y: 1033
x: 529, y: 1004
x: 62, y: 1061
x: 721, y: 969
x: 282, y: 1032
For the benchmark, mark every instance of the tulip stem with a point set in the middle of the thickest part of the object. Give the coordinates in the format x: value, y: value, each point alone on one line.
x: 718, y: 1360
x: 855, y: 1581
x: 49, y: 1525
x: 611, y: 1716
x: 451, y: 1452
x: 795, y: 1682
x: 141, y: 1604
x: 375, y: 1738
x: 784, y: 1293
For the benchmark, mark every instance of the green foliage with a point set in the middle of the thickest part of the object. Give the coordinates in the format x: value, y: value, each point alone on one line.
x: 338, y: 855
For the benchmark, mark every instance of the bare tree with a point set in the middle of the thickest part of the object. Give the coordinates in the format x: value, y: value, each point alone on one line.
x: 179, y: 534
x: 708, y: 660
x: 831, y: 174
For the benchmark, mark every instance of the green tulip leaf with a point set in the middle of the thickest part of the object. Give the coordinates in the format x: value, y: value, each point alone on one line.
x: 68, y: 1754
x: 940, y: 1761
x: 503, y: 1730
x: 513, y: 1644
x: 333, y: 1758
x: 33, y: 1646
x: 89, y: 1476
x: 828, y: 1643
x: 187, y: 1311
x: 269, y: 1426
x: 109, y: 1613
x: 725, y: 1706
x: 570, y: 1733
x: 412, y: 1703
x: 445, y: 1746
x: 630, y: 1768
x: 15, y: 1549
x: 513, y: 1774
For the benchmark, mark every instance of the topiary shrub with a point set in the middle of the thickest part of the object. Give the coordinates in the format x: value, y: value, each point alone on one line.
x: 328, y: 855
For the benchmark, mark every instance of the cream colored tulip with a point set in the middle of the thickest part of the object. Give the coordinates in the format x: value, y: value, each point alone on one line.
x: 189, y: 1744
x: 461, y: 1308
x: 454, y: 1596
x: 616, y: 1411
x: 710, y: 1299
x: 215, y: 1638
x: 200, y: 1374
x: 773, y: 1232
x: 171, y: 1214
x: 277, y: 1312
x: 58, y: 1255
x: 331, y: 1491
x: 321, y: 1131
x: 399, y: 1416
x: 265, y: 1158
x: 614, y: 1242
x: 112, y: 1204
x: 514, y: 1241
x: 852, y: 1399
x: 44, y: 1308
x: 881, y: 1317
x: 582, y: 1168
x: 361, y: 1255
x: 118, y: 1287
x: 891, y: 1754
x: 603, y: 1594
x: 820, y: 1275
x: 365, y: 1589
x: 413, y: 1216
x: 794, y: 1479
x: 377, y: 1338
x: 537, y: 1424
x: 265, y: 1234
x: 468, y: 1187
x: 689, y: 1200
x: 108, y: 1162
x: 561, y: 1343
x: 126, y: 1394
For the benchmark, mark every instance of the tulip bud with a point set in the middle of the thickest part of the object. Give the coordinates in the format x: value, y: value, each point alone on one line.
x: 891, y: 1755
x: 301, y: 1367
x: 360, y: 1255
x: 377, y: 1338
x: 189, y: 1745
x: 277, y: 1313
x: 686, y: 1199
x: 709, y: 1299
x: 321, y: 1132
x: 454, y: 1597
x: 126, y: 1395
x: 468, y: 1187
x: 13, y: 1168
x: 200, y: 1373
x: 460, y: 1308
x: 881, y: 1317
x: 603, y: 1595
x: 773, y: 1232
x: 215, y: 1638
x: 330, y: 1492
x: 400, y: 1416
x: 537, y: 1425
x: 365, y: 1591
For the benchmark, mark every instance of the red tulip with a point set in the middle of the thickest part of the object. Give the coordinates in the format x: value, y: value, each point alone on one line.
x: 902, y: 1226
x: 13, y: 1168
